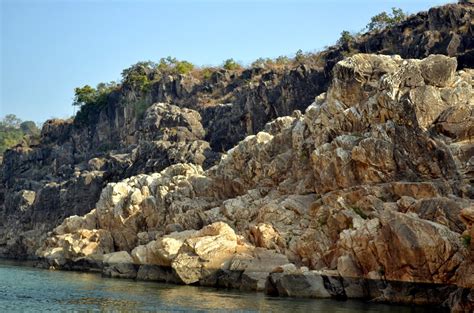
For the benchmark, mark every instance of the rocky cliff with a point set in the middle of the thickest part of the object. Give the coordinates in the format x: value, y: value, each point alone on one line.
x: 64, y: 174
x: 373, y: 182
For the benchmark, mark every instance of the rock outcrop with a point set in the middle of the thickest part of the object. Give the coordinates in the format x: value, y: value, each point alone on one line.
x: 64, y: 174
x: 370, y: 188
x: 367, y: 194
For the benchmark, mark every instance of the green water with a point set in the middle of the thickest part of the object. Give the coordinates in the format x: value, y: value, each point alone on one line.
x: 27, y: 289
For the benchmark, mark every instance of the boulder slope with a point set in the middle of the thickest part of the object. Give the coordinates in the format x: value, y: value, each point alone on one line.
x: 373, y: 181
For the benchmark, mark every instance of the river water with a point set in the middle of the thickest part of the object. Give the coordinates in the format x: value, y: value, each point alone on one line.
x: 27, y: 289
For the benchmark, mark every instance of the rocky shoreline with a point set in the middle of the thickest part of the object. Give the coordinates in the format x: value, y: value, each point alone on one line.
x: 288, y: 281
x: 366, y: 194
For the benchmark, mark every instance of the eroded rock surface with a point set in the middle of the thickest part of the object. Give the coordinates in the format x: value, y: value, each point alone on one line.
x: 369, y: 183
x: 74, y: 160
x: 64, y: 176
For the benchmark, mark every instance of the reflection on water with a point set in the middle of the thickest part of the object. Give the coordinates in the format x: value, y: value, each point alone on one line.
x: 26, y: 289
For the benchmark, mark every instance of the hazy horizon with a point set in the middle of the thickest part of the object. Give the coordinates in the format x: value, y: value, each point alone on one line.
x: 50, y: 47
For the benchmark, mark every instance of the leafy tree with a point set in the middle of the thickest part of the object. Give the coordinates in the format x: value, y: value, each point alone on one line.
x: 9, y: 138
x: 13, y: 131
x: 260, y: 62
x: 231, y: 65
x: 29, y: 128
x: 184, y: 67
x: 139, y: 68
x: 136, y: 75
x: 346, y: 38
x: 91, y: 100
x: 84, y: 95
x: 103, y: 92
x: 11, y: 120
x: 207, y: 72
x: 384, y: 19
x: 299, y: 56
x: 282, y: 60
x: 166, y: 64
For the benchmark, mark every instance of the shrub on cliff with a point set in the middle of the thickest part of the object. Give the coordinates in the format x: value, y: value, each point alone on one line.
x: 231, y: 65
x: 137, y: 75
x: 299, y: 56
x: 29, y: 128
x: 261, y: 62
x: 384, y: 19
x: 14, y: 131
x: 91, y: 100
x: 171, y: 65
x: 346, y: 38
x: 88, y: 95
x: 205, y: 72
x: 184, y: 67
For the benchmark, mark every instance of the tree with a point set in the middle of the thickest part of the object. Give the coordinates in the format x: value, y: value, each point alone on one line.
x: 139, y: 68
x: 346, y: 38
x: 14, y: 131
x: 299, y: 56
x: 11, y: 120
x: 384, y: 19
x: 29, y: 128
x: 166, y: 64
x: 136, y: 75
x: 282, y: 60
x: 260, y: 62
x: 184, y: 67
x: 84, y: 95
x: 89, y: 96
x: 231, y: 65
x: 207, y: 72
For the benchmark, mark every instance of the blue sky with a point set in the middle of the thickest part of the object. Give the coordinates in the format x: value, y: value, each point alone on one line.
x: 49, y: 47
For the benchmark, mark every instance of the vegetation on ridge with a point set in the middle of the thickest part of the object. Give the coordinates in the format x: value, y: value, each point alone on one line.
x: 139, y: 77
x: 13, y: 131
x: 377, y: 22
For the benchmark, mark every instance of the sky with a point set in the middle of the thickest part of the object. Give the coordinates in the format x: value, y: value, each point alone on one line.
x: 49, y: 47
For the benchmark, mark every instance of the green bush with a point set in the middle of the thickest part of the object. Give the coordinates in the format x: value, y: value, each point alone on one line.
x: 84, y: 95
x: 262, y: 62
x: 231, y: 65
x: 10, y: 138
x: 93, y: 96
x: 91, y: 100
x: 171, y: 65
x: 137, y: 75
x: 29, y: 128
x: 184, y: 67
x: 207, y: 72
x: 299, y: 56
x: 166, y: 64
x: 282, y: 60
x: 346, y: 38
x: 14, y: 131
x: 384, y: 19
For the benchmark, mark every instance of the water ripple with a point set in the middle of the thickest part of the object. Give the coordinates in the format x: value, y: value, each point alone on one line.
x: 26, y: 289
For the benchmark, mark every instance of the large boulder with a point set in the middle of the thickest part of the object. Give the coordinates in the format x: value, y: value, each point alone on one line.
x: 118, y: 265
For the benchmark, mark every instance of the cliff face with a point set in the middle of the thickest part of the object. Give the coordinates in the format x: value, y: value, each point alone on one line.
x: 65, y: 174
x: 444, y: 30
x: 373, y: 182
x: 383, y: 156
